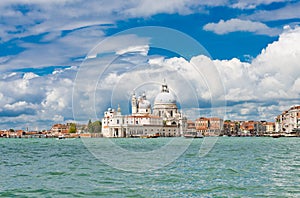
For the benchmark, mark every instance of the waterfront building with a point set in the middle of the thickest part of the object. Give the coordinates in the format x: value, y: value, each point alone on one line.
x: 209, y: 126
x: 59, y: 128
x: 231, y: 128
x: 289, y: 120
x: 259, y: 128
x: 3, y: 133
x: 11, y: 133
x: 191, y: 126
x: 165, y: 121
x: 247, y: 127
x: 215, y: 125
x: 269, y: 127
x: 202, y: 124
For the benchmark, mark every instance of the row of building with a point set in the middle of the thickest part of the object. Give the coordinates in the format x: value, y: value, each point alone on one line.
x: 165, y: 120
x: 216, y: 126
x: 287, y: 123
x: 57, y: 130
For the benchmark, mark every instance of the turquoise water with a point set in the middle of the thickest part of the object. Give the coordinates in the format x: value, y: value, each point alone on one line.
x: 235, y: 167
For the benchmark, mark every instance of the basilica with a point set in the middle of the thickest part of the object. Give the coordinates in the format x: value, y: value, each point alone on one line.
x: 163, y: 120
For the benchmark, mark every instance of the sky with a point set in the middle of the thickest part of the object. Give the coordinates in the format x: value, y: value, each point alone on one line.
x: 70, y: 60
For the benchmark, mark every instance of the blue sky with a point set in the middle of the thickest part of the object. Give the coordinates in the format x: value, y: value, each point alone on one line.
x: 253, y: 46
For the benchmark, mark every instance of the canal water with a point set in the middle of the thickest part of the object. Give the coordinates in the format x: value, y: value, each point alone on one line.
x: 234, y: 167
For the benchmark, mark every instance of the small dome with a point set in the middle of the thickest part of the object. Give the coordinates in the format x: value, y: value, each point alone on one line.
x: 165, y: 98
x: 144, y: 104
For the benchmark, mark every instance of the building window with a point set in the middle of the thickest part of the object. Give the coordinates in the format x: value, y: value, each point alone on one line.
x: 117, y: 121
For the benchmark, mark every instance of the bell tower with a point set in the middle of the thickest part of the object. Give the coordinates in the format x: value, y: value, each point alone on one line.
x: 134, y: 104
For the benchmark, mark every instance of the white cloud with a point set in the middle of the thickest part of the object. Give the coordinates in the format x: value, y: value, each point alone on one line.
x: 148, y: 7
x: 236, y: 25
x: 252, y: 4
x: 290, y: 11
x: 60, y: 51
x: 58, y: 118
x: 36, y: 101
x: 280, y: 60
x: 18, y: 105
x: 259, y: 89
x: 9, y: 75
x: 29, y: 75
x: 143, y: 50
x: 156, y: 60
x: 55, y: 16
x: 270, y: 81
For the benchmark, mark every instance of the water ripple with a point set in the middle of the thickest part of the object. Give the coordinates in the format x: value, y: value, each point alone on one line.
x: 235, y: 167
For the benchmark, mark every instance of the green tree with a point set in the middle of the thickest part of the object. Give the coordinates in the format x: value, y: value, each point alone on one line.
x: 97, y: 126
x: 90, y: 126
x: 72, y: 128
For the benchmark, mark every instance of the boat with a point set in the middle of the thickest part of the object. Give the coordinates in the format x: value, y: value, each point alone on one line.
x: 150, y: 136
x: 193, y: 134
x: 61, y: 137
x: 276, y: 135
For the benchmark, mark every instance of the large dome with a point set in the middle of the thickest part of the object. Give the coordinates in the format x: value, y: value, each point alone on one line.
x: 165, y: 98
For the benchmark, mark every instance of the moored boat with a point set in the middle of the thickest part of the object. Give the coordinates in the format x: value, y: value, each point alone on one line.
x: 193, y: 134
x: 61, y: 137
x: 276, y: 135
x: 150, y: 136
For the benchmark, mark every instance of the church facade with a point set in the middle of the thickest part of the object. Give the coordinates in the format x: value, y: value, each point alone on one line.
x: 164, y: 120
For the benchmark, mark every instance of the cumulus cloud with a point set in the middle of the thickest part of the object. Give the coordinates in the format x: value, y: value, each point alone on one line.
x: 271, y: 77
x: 236, y: 25
x: 29, y: 75
x: 18, y: 108
x: 66, y: 26
x: 29, y: 99
x: 259, y: 89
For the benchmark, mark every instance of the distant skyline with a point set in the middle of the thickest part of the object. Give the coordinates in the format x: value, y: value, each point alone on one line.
x: 253, y: 44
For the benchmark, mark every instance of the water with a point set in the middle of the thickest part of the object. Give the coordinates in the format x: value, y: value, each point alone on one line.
x: 235, y: 167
